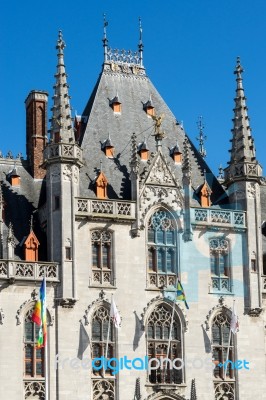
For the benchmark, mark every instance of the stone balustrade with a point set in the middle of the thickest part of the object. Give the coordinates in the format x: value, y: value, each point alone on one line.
x: 29, y: 271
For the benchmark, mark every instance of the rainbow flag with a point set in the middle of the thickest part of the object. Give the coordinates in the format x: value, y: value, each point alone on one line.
x: 180, y: 294
x: 39, y: 316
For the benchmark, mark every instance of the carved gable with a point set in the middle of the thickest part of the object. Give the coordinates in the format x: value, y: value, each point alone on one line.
x: 159, y: 186
x: 159, y: 173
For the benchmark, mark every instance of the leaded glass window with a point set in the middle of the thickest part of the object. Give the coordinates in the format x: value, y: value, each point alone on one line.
x: 103, y: 381
x: 166, y: 342
x: 220, y: 265
x: 221, y: 346
x: 162, y: 249
x: 102, y: 264
x: 33, y: 358
x: 223, y: 356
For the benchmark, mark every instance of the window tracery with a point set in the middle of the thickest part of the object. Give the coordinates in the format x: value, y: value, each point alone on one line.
x: 220, y: 265
x: 162, y: 249
x: 34, y: 359
x: 103, y: 382
x: 164, y: 340
x: 222, y: 351
x: 102, y: 263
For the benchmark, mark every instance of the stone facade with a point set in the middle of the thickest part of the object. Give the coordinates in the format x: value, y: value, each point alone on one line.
x: 138, y: 244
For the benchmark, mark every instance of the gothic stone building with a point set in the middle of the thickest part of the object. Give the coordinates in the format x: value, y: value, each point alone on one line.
x: 120, y: 202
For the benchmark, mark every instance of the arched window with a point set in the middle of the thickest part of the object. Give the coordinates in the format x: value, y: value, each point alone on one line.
x: 223, y: 355
x: 33, y: 358
x: 162, y: 250
x: 164, y: 339
x: 103, y: 381
x: 34, y: 371
x: 102, y: 263
x: 220, y: 265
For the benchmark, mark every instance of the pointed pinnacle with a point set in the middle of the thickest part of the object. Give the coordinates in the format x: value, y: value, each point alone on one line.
x: 60, y: 42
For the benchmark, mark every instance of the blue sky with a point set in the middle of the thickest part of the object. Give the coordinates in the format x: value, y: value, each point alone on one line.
x: 190, y: 53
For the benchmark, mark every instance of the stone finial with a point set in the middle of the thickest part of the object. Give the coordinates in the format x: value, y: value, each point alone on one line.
x: 186, y: 168
x: 140, y: 43
x: 202, y: 137
x: 134, y: 162
x: 10, y: 242
x: 105, y: 40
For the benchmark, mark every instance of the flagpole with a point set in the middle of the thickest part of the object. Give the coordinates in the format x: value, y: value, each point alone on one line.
x: 227, y: 355
x: 229, y: 341
x: 108, y: 333
x: 46, y: 351
x: 170, y: 333
x: 46, y: 370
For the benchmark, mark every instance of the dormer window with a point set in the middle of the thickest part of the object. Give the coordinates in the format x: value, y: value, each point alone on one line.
x: 14, y: 177
x: 143, y: 151
x: 31, y: 245
x: 108, y: 148
x: 176, y: 154
x: 101, y: 186
x: 205, y: 195
x: 149, y: 107
x: 115, y: 103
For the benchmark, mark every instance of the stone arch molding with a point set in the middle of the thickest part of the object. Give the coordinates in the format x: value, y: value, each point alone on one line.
x: 101, y: 301
x: 166, y: 395
x: 221, y: 306
x: 177, y: 214
x: 159, y: 300
x: 27, y: 304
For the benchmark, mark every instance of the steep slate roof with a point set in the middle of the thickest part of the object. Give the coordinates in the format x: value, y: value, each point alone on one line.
x: 99, y: 120
x: 19, y: 204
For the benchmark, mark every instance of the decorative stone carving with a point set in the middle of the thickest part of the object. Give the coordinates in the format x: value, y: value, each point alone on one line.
x: 160, y: 299
x: 103, y: 389
x: 34, y: 389
x: 218, y: 307
x: 27, y: 304
x: 67, y: 173
x: 160, y: 173
x: 170, y: 394
x: 75, y: 174
x: 251, y: 190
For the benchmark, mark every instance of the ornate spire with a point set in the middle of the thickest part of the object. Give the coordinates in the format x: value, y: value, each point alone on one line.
x: 61, y: 121
x: 105, y: 40
x: 140, y: 43
x: 201, y: 137
x: 243, y: 162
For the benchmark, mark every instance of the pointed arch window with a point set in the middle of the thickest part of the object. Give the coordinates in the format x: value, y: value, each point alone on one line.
x: 220, y: 348
x: 102, y: 262
x: 33, y: 357
x: 220, y: 265
x: 162, y: 250
x: 103, y: 382
x: 163, y: 343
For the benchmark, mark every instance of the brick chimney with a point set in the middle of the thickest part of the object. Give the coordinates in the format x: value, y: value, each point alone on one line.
x: 36, y: 131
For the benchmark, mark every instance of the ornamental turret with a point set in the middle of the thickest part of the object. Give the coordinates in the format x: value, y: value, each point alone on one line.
x: 243, y: 164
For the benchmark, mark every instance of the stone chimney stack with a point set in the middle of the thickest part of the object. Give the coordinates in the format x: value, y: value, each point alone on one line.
x: 36, y: 131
